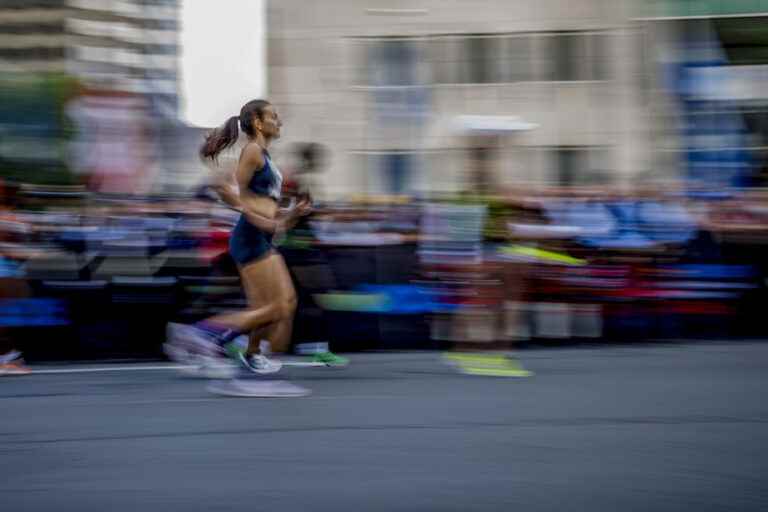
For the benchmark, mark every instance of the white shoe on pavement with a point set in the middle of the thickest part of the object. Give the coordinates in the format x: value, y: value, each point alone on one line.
x: 257, y: 389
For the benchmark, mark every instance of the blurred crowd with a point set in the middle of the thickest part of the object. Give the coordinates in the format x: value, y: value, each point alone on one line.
x: 90, y: 276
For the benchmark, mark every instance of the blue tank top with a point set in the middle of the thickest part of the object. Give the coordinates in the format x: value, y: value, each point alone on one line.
x: 267, y: 181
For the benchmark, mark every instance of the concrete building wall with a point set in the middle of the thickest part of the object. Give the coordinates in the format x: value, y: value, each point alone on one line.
x: 568, y: 66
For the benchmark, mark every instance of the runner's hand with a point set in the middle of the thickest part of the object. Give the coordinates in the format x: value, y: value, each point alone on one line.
x: 302, y: 208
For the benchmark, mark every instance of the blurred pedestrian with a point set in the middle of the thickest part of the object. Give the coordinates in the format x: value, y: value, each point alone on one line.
x: 12, y: 287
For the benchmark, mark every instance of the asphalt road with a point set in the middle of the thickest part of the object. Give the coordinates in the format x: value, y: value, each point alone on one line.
x: 645, y: 428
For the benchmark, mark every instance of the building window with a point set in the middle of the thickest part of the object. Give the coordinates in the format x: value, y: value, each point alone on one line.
x: 578, y: 56
x: 481, y: 58
x: 392, y: 63
x: 480, y: 63
x: 444, y: 58
x: 516, y: 59
x: 599, y: 56
x: 581, y: 166
x: 32, y: 53
x: 569, y: 162
x: 567, y: 57
x: 160, y: 49
x: 396, y: 170
x: 29, y: 4
x: 389, y: 172
x: 56, y: 27
x: 161, y: 24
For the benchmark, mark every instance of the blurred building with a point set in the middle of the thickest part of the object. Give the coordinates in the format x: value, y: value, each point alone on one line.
x: 132, y: 46
x: 434, y: 96
x: 710, y: 61
x: 125, y: 45
x: 122, y: 128
x: 32, y: 35
x: 128, y: 45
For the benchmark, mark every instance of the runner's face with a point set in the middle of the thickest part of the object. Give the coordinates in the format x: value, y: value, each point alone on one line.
x: 270, y: 122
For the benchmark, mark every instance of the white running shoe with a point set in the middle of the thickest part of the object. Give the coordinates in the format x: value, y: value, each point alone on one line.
x: 204, y: 367
x: 257, y: 389
x: 185, y: 341
x: 177, y: 354
x: 260, y: 364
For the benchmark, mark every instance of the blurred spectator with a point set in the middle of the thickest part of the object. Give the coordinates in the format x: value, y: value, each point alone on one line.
x: 12, y: 286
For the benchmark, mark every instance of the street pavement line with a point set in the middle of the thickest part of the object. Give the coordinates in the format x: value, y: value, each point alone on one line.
x: 97, y: 369
x: 139, y: 368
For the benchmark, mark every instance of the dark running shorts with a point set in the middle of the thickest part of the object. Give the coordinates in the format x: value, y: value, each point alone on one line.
x: 247, y: 243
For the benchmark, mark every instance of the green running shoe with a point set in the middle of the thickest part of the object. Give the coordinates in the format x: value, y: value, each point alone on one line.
x: 234, y: 349
x: 330, y: 359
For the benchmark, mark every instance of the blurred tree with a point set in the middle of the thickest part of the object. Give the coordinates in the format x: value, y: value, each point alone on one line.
x: 34, y: 129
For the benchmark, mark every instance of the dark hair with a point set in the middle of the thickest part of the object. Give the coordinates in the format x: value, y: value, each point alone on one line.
x: 224, y: 136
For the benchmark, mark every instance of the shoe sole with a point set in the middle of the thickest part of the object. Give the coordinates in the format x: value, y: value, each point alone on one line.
x: 214, y: 372
x: 223, y: 389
